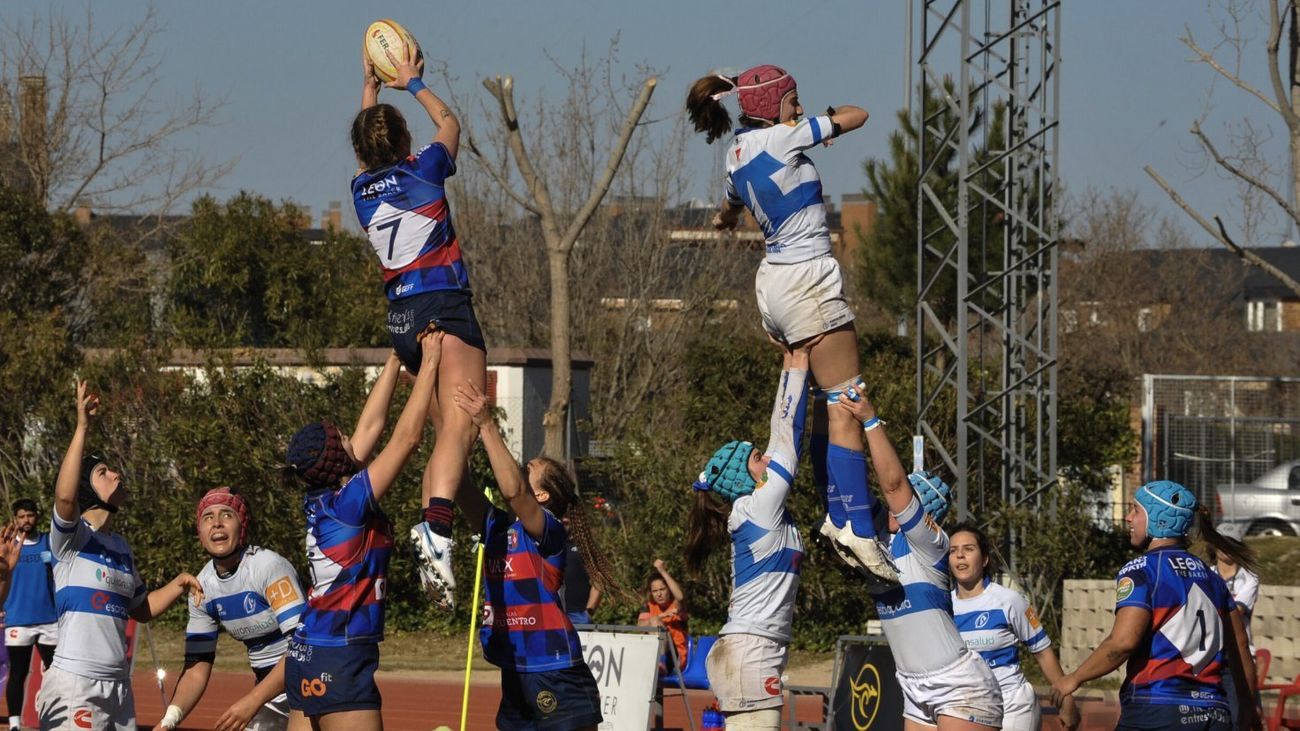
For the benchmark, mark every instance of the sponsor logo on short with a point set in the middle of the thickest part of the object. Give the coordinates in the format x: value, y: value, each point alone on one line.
x: 772, y: 685
x: 1124, y: 589
x: 316, y: 687
x: 83, y: 718
x: 401, y: 321
x: 546, y: 702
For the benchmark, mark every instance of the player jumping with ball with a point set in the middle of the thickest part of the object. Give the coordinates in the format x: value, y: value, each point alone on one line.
x: 401, y: 200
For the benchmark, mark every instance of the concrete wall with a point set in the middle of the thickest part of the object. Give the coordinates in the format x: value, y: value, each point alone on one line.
x: 1090, y: 612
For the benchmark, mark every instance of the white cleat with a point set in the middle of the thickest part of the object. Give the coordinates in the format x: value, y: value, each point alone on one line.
x: 831, y: 533
x: 433, y: 561
x: 871, y: 554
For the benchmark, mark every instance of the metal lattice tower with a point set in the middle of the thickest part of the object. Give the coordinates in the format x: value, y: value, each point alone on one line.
x: 986, y: 321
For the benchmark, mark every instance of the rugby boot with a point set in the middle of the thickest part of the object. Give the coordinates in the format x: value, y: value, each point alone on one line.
x: 871, y: 554
x: 433, y: 561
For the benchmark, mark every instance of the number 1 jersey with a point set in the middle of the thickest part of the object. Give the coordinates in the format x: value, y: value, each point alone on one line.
x: 404, y: 211
x: 1183, y: 657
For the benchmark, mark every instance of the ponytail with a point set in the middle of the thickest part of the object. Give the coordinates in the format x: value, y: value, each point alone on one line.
x: 707, y: 529
x: 1239, y: 552
x: 564, y: 503
x: 704, y: 105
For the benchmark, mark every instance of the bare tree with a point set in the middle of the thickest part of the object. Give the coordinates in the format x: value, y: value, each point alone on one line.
x: 561, y: 205
x: 1261, y: 186
x: 1135, y: 300
x: 89, y: 126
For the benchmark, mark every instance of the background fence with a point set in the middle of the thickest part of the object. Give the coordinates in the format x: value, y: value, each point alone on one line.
x: 1211, y: 431
x: 1090, y: 613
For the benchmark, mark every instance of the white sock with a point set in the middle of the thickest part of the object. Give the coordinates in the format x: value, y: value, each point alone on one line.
x: 15, y: 722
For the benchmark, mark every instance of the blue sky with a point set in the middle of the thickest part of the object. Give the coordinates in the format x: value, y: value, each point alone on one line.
x: 289, y: 73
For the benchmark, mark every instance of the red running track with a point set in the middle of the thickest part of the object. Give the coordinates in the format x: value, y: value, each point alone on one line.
x: 413, y: 704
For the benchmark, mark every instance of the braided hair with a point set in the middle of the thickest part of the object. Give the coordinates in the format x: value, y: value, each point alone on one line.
x: 380, y: 137
x: 564, y: 503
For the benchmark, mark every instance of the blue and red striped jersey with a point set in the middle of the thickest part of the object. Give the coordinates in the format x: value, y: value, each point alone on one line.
x: 404, y: 211
x: 1183, y: 657
x: 349, y: 544
x: 525, y: 627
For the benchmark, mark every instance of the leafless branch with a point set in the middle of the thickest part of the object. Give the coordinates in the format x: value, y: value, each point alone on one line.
x: 615, y: 159
x: 1242, y: 174
x: 1208, y: 59
x: 539, y: 195
x: 500, y: 177
x: 1220, y: 234
x: 107, y: 138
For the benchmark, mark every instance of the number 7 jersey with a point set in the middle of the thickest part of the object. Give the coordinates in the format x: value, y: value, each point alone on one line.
x: 1183, y: 656
x: 404, y: 211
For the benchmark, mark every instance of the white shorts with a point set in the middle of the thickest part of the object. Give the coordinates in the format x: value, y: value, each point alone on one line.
x: 799, y: 301
x: 965, y: 689
x: 1020, y: 710
x: 45, y: 634
x: 71, y: 702
x: 745, y: 672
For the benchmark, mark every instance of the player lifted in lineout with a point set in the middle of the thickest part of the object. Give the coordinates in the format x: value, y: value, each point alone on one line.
x: 401, y: 201
x: 799, y: 287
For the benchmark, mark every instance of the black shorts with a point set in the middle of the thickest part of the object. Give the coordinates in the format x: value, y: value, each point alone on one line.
x: 452, y: 310
x: 320, y: 680
x: 550, y: 699
x: 1159, y: 717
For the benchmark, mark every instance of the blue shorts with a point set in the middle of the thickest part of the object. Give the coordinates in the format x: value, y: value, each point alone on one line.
x: 452, y: 310
x: 1160, y: 717
x: 550, y: 699
x: 321, y: 680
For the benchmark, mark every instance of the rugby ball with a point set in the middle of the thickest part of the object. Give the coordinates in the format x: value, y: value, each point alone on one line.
x: 385, y: 37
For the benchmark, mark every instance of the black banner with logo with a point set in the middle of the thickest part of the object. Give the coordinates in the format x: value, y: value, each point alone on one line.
x: 867, y: 696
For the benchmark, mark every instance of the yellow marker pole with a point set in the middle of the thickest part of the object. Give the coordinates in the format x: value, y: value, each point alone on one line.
x: 473, y: 623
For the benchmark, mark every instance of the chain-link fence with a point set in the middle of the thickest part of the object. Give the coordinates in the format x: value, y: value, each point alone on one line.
x: 1208, y: 432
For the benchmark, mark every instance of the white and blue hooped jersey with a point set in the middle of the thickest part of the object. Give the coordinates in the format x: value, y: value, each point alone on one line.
x: 259, y: 605
x: 768, y: 172
x: 994, y: 624
x: 766, y: 551
x: 916, y: 614
x: 95, y: 588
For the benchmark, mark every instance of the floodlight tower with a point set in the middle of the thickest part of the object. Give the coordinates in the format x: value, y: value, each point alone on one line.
x: 986, y: 314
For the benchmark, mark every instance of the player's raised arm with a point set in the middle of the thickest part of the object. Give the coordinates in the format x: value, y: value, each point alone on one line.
x: 65, y: 488
x: 409, y: 78
x: 374, y: 415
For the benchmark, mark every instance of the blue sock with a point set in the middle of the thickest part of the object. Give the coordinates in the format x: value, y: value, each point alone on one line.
x: 847, y: 469
x: 825, y: 491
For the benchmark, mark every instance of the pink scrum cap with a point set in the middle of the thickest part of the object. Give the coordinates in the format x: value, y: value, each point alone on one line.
x: 761, y: 90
